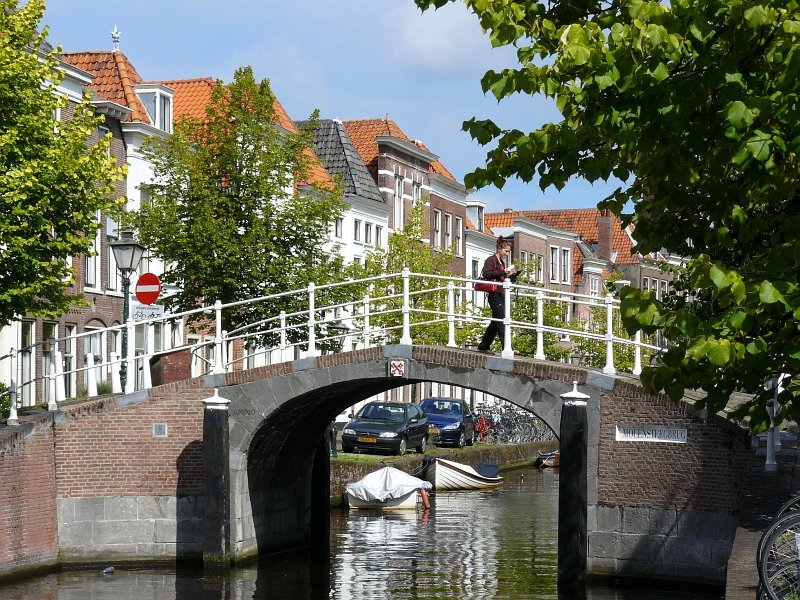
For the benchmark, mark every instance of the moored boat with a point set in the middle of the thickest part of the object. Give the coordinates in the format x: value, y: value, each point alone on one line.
x: 548, y: 459
x: 450, y: 475
x: 388, y: 488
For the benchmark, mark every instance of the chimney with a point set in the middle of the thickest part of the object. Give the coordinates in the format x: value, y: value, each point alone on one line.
x: 605, y: 233
x: 508, y: 210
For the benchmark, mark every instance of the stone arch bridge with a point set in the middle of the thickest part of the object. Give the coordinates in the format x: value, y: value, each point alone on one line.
x: 123, y: 477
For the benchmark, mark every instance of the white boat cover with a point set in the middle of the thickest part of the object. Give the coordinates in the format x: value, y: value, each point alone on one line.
x: 386, y: 483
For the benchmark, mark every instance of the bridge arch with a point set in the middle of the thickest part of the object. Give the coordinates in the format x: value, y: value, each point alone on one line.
x: 277, y: 415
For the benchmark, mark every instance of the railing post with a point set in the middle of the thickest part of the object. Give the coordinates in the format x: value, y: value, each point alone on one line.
x: 51, y: 396
x: 770, y: 464
x: 12, y: 390
x: 91, y: 376
x: 283, y: 335
x: 116, y: 386
x: 406, y: 337
x: 609, y: 368
x: 312, y: 322
x: 451, y: 316
x: 61, y: 393
x: 637, y: 356
x: 539, y: 326
x: 366, y: 321
x: 507, y: 351
x: 219, y: 361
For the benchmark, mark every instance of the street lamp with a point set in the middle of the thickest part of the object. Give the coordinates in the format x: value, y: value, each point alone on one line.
x: 127, y: 254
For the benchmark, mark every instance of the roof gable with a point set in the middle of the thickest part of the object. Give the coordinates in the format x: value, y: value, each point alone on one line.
x: 340, y: 157
x: 113, y: 78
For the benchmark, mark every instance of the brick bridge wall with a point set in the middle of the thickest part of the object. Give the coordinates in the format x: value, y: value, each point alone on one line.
x: 91, y: 482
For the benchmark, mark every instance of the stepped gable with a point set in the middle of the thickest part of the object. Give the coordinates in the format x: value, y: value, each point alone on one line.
x: 113, y: 79
x: 336, y: 151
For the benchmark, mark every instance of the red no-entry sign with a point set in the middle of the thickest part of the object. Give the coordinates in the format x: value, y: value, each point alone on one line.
x: 148, y: 287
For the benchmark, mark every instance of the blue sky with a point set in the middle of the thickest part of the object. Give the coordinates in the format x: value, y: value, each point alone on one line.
x: 350, y: 59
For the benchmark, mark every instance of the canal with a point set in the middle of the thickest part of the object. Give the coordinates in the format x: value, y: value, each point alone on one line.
x: 498, y: 545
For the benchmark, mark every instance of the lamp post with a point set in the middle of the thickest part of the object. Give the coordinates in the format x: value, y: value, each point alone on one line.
x: 127, y: 254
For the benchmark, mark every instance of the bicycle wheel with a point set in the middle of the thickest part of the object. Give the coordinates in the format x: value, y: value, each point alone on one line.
x: 779, y: 566
x: 776, y: 525
x: 783, y: 585
x: 791, y: 505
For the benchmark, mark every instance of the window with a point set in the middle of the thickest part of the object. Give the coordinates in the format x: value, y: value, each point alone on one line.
x: 68, y: 359
x: 399, y: 216
x: 594, y: 286
x: 416, y: 192
x: 645, y: 283
x: 367, y: 233
x: 540, y: 268
x: 357, y: 230
x: 26, y: 364
x: 437, y: 228
x: 553, y: 263
x: 476, y: 273
x: 378, y: 236
x: 565, y: 265
x: 459, y: 236
x: 480, y: 218
x: 448, y: 231
x: 337, y: 227
x: 158, y: 104
x: 103, y: 131
x: 113, y: 272
x: 523, y: 257
x: 91, y: 265
x: 663, y: 288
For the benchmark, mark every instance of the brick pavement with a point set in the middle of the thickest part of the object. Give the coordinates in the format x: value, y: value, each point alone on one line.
x: 764, y: 494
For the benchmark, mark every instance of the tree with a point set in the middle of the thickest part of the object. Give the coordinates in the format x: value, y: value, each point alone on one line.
x: 409, y: 248
x: 694, y: 106
x: 52, y: 181
x: 225, y: 214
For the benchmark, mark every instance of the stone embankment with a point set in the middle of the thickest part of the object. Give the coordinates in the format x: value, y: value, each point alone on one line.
x: 346, y: 468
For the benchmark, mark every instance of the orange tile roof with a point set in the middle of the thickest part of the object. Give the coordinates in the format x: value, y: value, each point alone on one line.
x: 579, y: 220
x: 192, y: 96
x: 114, y: 78
x: 364, y: 134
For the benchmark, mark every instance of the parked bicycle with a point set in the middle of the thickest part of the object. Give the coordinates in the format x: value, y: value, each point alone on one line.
x: 778, y: 555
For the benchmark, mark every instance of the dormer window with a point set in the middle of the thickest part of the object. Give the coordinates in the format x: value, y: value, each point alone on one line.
x: 157, y: 101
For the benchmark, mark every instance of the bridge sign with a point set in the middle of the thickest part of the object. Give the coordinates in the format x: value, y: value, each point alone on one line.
x: 148, y: 287
x: 397, y: 368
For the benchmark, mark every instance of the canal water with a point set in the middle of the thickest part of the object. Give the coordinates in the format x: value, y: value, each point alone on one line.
x: 498, y: 545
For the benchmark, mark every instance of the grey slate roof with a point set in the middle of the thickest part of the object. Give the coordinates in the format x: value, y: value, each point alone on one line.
x: 340, y: 157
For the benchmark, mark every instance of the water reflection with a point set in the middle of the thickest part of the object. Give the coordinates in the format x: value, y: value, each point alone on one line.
x: 499, y: 545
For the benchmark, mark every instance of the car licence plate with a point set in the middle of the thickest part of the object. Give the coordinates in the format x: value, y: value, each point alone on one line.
x: 368, y: 440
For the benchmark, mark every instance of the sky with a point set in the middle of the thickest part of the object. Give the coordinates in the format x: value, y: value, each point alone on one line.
x: 351, y: 59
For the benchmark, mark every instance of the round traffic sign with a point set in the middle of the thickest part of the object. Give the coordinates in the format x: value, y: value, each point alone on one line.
x: 148, y: 287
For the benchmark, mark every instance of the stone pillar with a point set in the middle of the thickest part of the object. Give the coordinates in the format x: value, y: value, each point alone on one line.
x: 216, y: 484
x: 572, y: 488
x: 321, y: 500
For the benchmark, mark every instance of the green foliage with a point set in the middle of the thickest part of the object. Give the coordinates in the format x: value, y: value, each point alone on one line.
x: 409, y: 248
x: 695, y: 106
x: 51, y: 180
x: 225, y: 215
x: 5, y: 399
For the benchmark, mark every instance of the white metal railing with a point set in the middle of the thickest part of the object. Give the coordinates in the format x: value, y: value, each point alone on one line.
x: 369, y: 320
